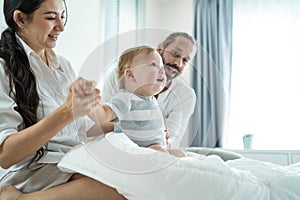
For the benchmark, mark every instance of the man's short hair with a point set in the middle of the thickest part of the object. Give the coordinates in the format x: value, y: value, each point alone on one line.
x: 171, y: 38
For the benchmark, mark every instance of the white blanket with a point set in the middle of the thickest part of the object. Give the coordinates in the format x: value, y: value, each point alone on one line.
x: 144, y: 174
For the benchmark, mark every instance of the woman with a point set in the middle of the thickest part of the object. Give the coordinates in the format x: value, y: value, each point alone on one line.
x: 38, y: 94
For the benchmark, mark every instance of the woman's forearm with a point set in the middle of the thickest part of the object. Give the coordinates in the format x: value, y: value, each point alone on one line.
x: 21, y: 145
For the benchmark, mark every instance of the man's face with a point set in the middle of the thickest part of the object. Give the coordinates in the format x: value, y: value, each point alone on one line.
x: 176, y: 56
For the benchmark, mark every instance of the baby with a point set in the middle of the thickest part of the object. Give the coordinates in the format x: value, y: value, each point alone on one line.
x: 135, y: 109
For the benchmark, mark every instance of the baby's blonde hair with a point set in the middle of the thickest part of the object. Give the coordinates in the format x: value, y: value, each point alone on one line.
x: 125, y: 60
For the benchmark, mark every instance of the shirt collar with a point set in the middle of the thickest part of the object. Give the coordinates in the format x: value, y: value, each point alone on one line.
x: 26, y: 48
x: 51, y: 56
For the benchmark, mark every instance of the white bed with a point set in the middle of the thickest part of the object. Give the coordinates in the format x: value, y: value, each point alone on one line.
x: 144, y: 174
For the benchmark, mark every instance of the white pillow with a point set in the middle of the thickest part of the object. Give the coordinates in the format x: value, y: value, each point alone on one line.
x: 142, y: 173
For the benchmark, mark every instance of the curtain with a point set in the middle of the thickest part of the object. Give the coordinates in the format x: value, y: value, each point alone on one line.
x: 120, y: 17
x: 211, y: 71
x: 122, y: 20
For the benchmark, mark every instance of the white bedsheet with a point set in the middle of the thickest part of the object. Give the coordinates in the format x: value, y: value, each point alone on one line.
x: 145, y: 174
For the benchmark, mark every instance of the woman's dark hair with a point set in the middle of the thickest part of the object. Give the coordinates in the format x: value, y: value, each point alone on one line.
x: 22, y: 81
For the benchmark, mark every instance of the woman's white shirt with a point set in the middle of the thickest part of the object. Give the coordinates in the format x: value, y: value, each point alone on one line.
x: 53, y: 82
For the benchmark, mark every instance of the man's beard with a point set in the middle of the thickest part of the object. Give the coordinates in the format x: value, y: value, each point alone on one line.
x: 171, y: 70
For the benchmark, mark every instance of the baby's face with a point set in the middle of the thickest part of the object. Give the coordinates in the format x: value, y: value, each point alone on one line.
x: 149, y: 74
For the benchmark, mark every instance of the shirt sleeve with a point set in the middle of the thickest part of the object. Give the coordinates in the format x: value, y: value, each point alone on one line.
x: 120, y: 104
x: 180, y: 109
x: 10, y: 119
x: 178, y: 121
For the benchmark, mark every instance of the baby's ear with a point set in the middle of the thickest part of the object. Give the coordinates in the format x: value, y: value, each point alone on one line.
x: 128, y: 74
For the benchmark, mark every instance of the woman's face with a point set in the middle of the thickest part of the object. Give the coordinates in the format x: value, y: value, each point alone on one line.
x: 42, y: 28
x: 149, y: 75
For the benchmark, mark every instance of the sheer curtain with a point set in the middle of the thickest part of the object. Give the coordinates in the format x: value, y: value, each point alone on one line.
x: 121, y: 16
x: 265, y: 92
x: 122, y: 19
x: 211, y: 71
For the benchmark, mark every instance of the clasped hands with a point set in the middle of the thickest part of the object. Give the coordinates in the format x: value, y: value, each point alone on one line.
x: 84, y: 97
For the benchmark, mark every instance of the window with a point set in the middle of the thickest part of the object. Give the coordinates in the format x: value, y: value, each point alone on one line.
x: 123, y: 16
x: 265, y: 92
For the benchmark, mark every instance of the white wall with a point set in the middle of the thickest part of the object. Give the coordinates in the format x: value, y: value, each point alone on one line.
x: 176, y: 15
x: 84, y: 30
x: 2, y: 22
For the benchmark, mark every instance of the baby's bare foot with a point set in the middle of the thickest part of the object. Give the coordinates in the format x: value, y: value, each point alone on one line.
x: 9, y: 192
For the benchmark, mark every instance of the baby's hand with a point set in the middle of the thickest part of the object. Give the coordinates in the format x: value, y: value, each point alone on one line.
x: 83, y: 87
x: 84, y: 97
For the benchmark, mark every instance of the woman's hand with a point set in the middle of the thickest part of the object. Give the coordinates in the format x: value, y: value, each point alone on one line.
x: 82, y: 87
x: 83, y: 97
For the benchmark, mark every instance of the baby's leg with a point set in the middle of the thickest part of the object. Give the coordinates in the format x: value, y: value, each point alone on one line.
x: 177, y: 152
x: 157, y: 147
x: 174, y: 152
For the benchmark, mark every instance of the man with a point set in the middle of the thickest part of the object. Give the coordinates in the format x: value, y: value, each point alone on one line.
x: 177, y: 100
